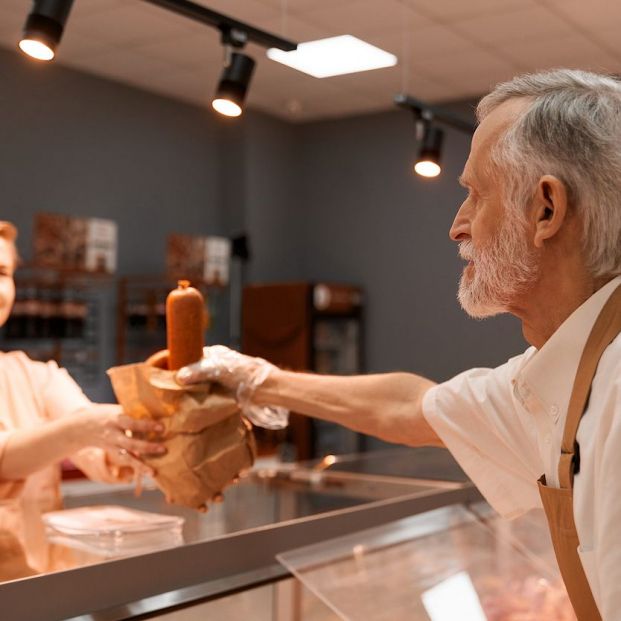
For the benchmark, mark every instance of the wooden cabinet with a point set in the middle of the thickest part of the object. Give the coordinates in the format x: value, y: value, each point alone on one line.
x: 314, y: 327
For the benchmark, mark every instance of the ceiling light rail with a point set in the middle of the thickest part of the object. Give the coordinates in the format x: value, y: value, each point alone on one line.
x: 434, y: 113
x: 222, y: 22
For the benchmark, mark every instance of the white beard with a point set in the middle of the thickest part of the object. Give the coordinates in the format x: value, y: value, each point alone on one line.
x: 502, y: 270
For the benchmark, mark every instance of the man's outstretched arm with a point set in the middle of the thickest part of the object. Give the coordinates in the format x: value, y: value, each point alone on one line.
x: 388, y: 406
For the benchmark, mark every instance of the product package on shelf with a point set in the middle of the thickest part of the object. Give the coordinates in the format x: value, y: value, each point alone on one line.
x: 204, y: 258
x: 71, y: 243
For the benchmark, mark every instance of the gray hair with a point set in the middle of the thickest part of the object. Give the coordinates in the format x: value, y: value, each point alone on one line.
x: 572, y: 130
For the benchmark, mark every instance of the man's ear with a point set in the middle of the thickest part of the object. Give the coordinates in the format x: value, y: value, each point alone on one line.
x: 550, y: 208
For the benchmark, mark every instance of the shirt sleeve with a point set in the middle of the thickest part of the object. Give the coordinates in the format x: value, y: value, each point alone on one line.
x: 9, y: 488
x: 60, y: 393
x: 479, y: 421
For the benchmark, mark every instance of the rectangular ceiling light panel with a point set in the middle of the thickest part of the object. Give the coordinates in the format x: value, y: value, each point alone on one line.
x: 334, y: 56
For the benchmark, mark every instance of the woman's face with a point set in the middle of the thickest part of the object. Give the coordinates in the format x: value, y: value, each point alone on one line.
x: 7, y: 284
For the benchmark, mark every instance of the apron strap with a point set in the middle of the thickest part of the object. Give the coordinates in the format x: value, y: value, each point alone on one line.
x: 605, y: 330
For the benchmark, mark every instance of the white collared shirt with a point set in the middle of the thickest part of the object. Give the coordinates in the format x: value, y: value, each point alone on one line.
x: 505, y: 427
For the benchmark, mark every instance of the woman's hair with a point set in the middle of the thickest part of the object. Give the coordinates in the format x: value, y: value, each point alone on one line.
x: 572, y: 130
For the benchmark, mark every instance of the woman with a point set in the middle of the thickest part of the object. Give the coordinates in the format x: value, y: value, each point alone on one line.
x: 44, y: 418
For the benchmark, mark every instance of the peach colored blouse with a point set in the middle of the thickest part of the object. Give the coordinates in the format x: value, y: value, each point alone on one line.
x: 32, y: 394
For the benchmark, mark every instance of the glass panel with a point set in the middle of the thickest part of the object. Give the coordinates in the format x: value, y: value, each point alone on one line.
x: 262, y: 499
x: 439, y: 566
x: 288, y: 600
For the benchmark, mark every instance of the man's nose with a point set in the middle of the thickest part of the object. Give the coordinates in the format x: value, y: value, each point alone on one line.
x: 460, y: 228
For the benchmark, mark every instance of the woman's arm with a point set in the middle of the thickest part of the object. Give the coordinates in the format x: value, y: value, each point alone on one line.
x: 388, y: 405
x: 100, y: 425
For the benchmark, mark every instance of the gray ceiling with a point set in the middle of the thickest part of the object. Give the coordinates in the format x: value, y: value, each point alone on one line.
x: 447, y: 49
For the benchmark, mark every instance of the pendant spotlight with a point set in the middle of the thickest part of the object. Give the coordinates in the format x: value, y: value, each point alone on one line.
x: 430, y: 137
x: 428, y: 161
x: 238, y: 69
x: 44, y: 28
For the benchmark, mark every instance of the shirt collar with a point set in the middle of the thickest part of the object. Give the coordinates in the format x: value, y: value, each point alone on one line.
x: 545, y: 382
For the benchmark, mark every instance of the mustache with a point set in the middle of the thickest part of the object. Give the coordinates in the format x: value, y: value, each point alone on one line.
x: 466, y: 250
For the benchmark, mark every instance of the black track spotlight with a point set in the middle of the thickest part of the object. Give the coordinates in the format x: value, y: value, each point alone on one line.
x: 44, y: 28
x: 428, y: 161
x: 231, y: 91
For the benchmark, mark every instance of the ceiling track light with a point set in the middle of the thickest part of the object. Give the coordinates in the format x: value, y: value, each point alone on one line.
x: 428, y: 162
x: 236, y: 76
x: 46, y: 22
x: 44, y: 28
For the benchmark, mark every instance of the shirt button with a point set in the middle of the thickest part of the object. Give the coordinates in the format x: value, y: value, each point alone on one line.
x: 547, y: 438
x: 554, y: 410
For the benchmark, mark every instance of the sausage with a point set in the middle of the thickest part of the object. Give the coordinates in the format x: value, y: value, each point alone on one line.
x: 185, y: 325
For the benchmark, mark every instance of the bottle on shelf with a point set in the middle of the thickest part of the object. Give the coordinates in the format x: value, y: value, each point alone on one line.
x: 30, y: 313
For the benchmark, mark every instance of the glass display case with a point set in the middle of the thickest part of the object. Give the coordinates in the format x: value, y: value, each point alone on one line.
x: 398, y: 534
x: 231, y: 548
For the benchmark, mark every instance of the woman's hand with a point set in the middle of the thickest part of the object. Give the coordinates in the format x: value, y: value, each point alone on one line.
x: 125, y: 440
x: 105, y: 426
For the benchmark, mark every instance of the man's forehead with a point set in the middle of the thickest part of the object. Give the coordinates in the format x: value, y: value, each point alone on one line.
x: 497, y: 121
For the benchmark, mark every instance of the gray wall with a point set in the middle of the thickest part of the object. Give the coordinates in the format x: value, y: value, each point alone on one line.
x: 370, y: 221
x: 76, y: 144
x: 333, y: 200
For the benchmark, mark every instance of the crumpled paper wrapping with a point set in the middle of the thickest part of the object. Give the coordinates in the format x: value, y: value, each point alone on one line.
x: 208, y: 442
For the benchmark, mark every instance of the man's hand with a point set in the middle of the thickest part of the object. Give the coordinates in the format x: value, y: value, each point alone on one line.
x: 241, y: 374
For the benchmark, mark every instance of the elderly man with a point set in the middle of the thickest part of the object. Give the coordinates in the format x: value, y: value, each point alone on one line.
x: 541, y: 232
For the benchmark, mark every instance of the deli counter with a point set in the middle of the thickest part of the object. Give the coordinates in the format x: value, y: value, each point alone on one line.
x: 397, y: 523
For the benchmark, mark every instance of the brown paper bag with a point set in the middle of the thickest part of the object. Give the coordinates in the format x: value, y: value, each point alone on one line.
x: 209, y: 444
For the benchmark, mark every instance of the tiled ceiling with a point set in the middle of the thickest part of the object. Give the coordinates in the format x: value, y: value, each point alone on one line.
x: 447, y: 49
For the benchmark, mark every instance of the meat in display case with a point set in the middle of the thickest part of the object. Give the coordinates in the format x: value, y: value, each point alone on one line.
x: 313, y: 327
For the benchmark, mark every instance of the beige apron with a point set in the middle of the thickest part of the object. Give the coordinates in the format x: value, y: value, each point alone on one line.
x: 558, y: 503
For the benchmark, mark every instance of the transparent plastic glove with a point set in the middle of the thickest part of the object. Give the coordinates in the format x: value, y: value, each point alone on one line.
x: 242, y: 374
